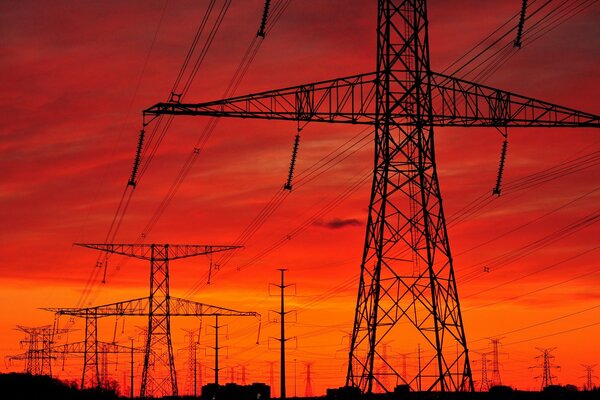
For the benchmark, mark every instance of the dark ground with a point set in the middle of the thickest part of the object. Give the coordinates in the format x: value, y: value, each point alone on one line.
x: 16, y: 386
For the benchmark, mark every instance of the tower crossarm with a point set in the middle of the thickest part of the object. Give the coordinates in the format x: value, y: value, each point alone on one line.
x: 342, y: 100
x: 140, y: 307
x: 103, y: 347
x: 457, y: 102
x: 18, y: 357
x: 183, y: 307
x: 133, y: 307
x: 144, y: 251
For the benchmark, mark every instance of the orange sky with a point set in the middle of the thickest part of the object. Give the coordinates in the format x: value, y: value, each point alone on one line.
x: 76, y: 75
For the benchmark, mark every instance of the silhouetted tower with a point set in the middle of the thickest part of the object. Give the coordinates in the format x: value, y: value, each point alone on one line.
x: 407, y: 276
x: 217, y: 347
x: 104, y: 378
x: 282, y: 339
x: 192, y: 336
x: 271, y: 377
x: 94, y: 377
x: 158, y: 373
x: 403, y: 357
x: 159, y: 326
x: 39, y: 341
x: 243, y: 374
x: 546, y: 366
x: 485, y: 383
x: 589, y: 376
x: 308, y: 392
x: 495, y: 381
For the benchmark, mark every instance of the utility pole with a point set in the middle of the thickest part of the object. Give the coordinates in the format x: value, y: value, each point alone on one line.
x: 404, y: 100
x: 271, y: 377
x: 217, y: 347
x: 131, y: 366
x: 546, y: 366
x: 419, y: 366
x: 282, y: 339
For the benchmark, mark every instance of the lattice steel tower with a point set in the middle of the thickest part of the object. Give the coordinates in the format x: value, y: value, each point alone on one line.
x: 407, y: 290
x: 158, y: 374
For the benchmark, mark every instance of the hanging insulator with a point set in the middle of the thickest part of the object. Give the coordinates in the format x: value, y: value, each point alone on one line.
x: 263, y: 22
x: 496, y: 190
x: 517, y: 42
x: 136, y: 162
x: 288, y: 184
x: 105, y: 268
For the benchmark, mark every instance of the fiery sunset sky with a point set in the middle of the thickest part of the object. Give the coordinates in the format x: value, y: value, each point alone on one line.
x: 76, y: 76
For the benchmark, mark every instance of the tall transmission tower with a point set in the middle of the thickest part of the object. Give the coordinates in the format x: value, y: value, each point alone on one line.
x: 308, y: 392
x: 589, y: 376
x: 407, y: 274
x: 38, y: 356
x: 495, y: 380
x: 193, y: 337
x: 158, y: 374
x: 485, y: 383
x: 546, y: 365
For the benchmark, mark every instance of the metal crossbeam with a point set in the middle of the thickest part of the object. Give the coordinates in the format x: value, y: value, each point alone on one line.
x: 140, y: 308
x: 351, y: 100
x: 144, y: 251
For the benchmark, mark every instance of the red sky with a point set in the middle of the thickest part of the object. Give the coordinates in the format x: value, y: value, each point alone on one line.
x: 76, y: 75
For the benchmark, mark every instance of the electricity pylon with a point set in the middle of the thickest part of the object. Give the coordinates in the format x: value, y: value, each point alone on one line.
x: 159, y: 307
x: 589, y: 376
x: 407, y: 275
x: 39, y: 353
x: 496, y: 380
x: 546, y: 366
x: 94, y: 379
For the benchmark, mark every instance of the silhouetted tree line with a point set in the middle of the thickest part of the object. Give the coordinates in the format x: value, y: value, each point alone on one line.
x: 15, y: 386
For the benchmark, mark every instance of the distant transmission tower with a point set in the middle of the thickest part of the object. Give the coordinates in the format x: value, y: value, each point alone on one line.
x: 38, y: 355
x: 589, y: 377
x: 158, y: 373
x: 496, y: 380
x: 485, y: 383
x: 546, y: 366
x: 407, y: 276
x: 192, y: 361
x: 308, y: 391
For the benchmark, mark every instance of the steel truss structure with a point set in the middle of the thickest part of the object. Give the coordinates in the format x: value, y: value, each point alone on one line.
x: 39, y: 343
x: 158, y: 374
x: 407, y: 286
